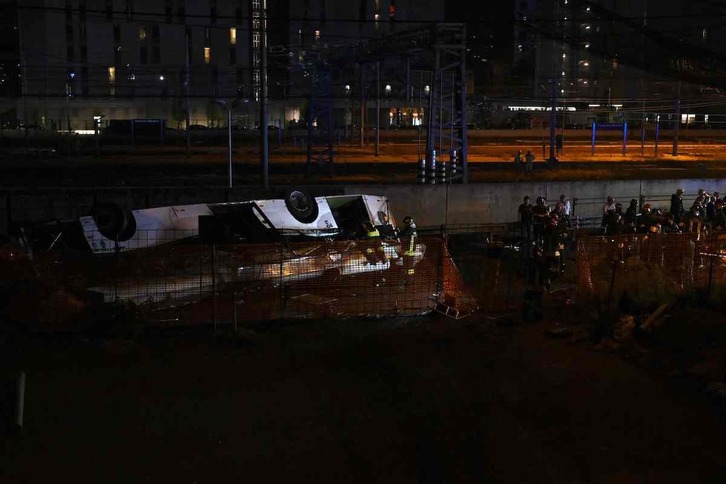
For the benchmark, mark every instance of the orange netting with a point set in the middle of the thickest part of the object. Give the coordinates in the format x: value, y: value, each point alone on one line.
x: 253, y: 282
x: 650, y: 267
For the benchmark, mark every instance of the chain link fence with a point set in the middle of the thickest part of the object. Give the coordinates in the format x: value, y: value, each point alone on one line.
x: 237, y: 283
x: 650, y: 268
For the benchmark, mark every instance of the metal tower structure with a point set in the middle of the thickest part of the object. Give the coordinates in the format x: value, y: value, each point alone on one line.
x: 439, y: 49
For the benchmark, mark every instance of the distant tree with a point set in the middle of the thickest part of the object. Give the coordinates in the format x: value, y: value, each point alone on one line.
x: 214, y: 113
x: 178, y: 113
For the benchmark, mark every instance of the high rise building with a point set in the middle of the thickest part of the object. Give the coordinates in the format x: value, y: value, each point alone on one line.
x: 618, y: 50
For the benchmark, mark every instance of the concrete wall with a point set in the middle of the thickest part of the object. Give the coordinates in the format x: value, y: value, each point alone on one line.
x: 431, y: 206
x: 498, y: 202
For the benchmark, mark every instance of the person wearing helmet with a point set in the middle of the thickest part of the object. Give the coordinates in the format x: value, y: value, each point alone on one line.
x: 647, y: 219
x: 410, y: 231
x: 630, y: 218
x: 409, y: 227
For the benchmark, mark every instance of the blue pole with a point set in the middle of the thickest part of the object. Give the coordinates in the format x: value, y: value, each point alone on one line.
x: 594, y: 129
x: 625, y: 137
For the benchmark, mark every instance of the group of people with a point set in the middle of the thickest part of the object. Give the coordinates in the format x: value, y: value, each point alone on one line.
x: 706, y: 212
x: 542, y: 225
x: 526, y: 163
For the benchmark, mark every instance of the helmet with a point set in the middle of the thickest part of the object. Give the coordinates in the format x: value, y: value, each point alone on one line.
x: 407, y: 220
x: 610, y: 199
x: 633, y: 203
x: 647, y: 207
x: 540, y: 200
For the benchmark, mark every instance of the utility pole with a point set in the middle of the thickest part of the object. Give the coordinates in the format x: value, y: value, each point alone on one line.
x: 553, y: 122
x: 186, y: 90
x: 677, y: 121
x: 378, y: 106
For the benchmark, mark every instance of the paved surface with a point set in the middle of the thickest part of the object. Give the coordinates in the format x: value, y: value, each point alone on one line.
x: 396, y: 163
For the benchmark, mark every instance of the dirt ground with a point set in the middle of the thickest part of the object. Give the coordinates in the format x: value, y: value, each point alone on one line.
x: 485, y: 398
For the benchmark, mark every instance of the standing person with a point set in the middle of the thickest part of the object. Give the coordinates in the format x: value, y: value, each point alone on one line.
x: 677, y: 206
x: 529, y: 158
x: 630, y: 219
x: 518, y: 161
x: 525, y: 221
x: 561, y: 208
x: 540, y: 214
x: 410, y: 231
x: 608, y: 209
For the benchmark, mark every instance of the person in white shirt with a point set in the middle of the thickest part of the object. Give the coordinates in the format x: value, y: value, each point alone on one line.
x: 608, y: 208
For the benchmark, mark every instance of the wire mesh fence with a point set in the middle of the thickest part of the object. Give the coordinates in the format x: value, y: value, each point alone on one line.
x: 237, y: 283
x: 650, y: 268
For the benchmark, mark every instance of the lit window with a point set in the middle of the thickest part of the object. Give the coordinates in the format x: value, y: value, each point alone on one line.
x: 388, y: 89
x: 111, y: 75
x: 587, y: 46
x: 563, y: 73
x: 233, y: 36
x: 142, y: 33
x: 377, y: 17
x: 564, y: 55
x: 427, y: 89
x: 347, y: 88
x: 161, y: 77
x: 207, y: 55
x: 587, y: 27
x: 317, y: 35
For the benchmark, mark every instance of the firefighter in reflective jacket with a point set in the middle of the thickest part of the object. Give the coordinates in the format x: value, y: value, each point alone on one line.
x: 371, y: 244
x: 409, y: 230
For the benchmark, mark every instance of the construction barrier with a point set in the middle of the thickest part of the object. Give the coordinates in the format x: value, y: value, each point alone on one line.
x: 236, y: 283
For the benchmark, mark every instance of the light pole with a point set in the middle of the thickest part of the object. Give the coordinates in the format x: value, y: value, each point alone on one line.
x: 228, y: 105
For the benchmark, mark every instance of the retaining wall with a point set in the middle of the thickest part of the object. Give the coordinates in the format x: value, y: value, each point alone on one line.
x: 430, y: 205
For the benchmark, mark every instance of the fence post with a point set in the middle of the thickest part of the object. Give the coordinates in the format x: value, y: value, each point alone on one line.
x: 214, y: 286
x: 20, y: 400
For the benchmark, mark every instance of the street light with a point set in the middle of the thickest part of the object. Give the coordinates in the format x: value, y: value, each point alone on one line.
x: 228, y: 105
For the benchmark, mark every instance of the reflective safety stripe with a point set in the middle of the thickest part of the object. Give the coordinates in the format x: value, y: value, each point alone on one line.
x: 411, y: 246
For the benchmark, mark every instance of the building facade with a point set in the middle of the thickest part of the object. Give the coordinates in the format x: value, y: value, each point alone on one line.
x: 619, y: 52
x: 81, y: 60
